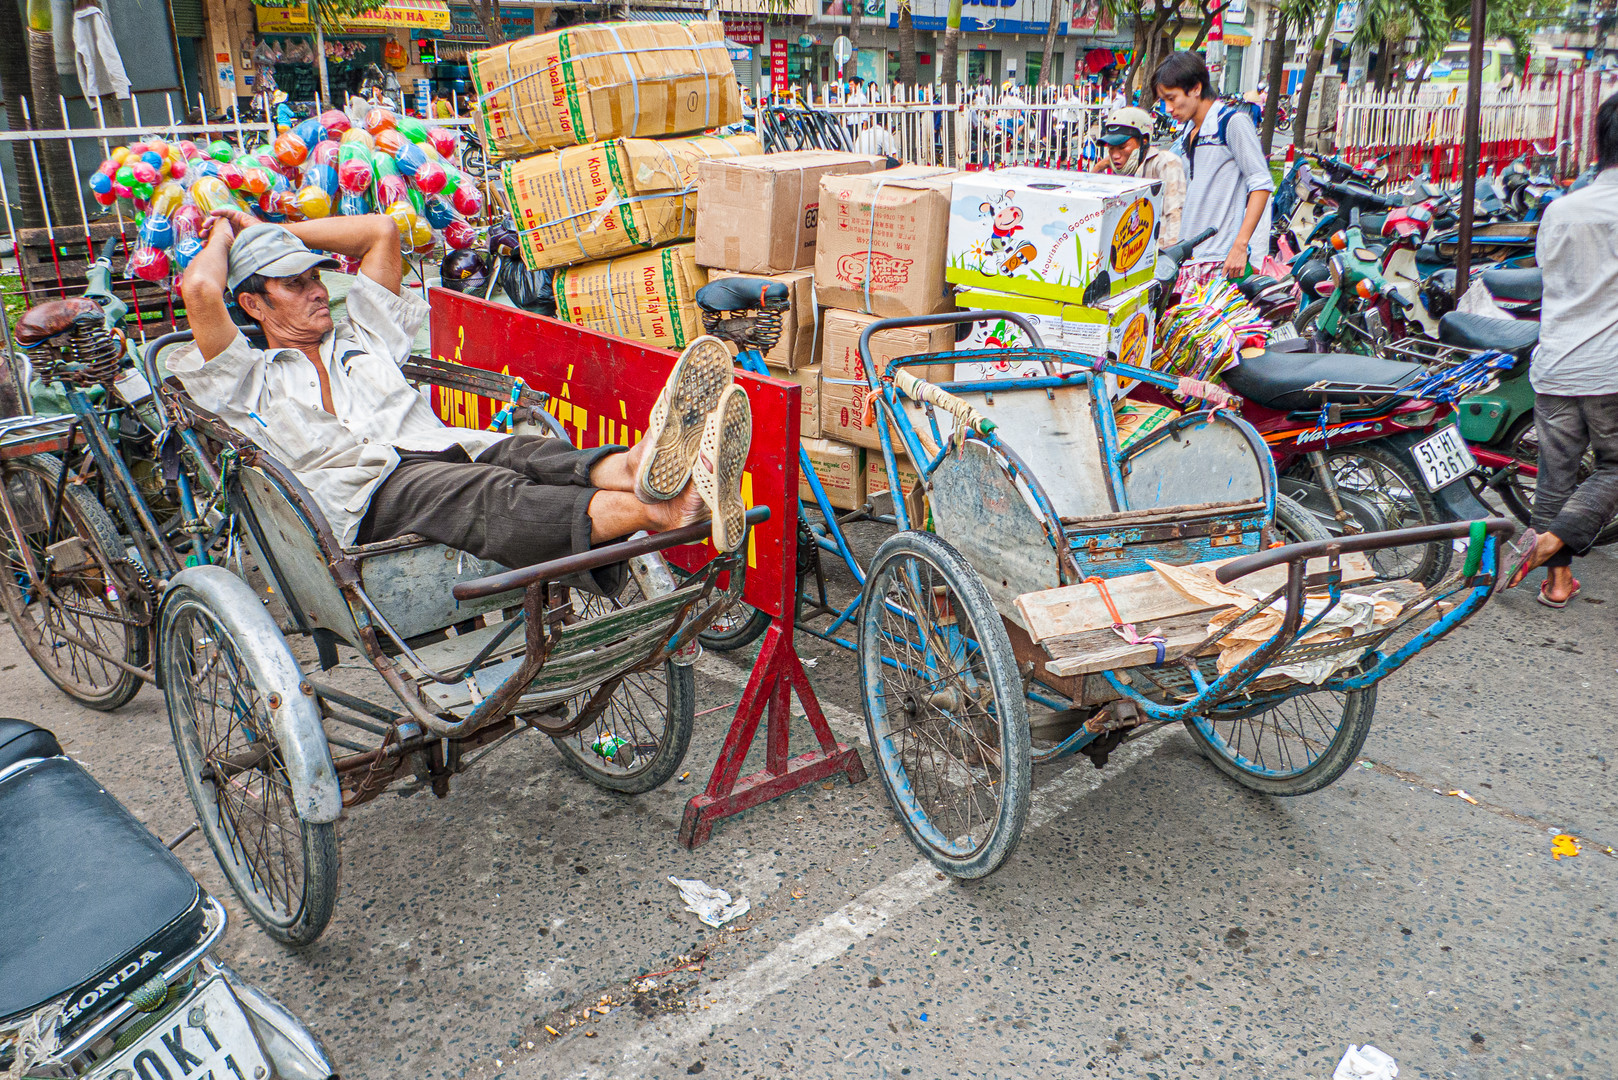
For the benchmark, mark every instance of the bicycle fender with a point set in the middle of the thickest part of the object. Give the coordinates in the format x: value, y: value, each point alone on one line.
x: 295, y: 717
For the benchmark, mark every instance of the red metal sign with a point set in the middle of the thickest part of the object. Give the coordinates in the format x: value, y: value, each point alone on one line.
x: 745, y: 31
x: 602, y: 389
x: 778, y: 66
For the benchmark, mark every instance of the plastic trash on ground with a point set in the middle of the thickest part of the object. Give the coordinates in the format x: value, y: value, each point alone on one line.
x: 713, y: 906
x: 1365, y: 1063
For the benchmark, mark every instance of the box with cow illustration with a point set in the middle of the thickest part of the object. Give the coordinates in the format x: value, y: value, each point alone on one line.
x: 1076, y: 238
x: 1118, y: 328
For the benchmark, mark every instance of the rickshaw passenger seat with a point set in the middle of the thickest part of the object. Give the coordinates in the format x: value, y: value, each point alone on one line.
x: 742, y: 294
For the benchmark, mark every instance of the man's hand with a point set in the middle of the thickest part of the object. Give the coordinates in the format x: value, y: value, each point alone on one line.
x: 1236, y: 262
x: 235, y: 222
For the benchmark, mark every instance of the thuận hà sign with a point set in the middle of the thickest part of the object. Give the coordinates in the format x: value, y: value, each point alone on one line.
x: 392, y: 15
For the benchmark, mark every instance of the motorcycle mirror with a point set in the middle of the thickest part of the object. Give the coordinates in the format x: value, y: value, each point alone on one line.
x: 1337, y: 267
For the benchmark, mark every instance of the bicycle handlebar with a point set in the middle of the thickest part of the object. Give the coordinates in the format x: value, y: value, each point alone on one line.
x: 1376, y: 541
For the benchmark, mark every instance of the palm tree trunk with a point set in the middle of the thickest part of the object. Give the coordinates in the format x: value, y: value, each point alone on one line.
x: 14, y: 81
x: 949, y: 50
x: 1277, y: 74
x: 1050, y: 43
x: 45, y: 106
x: 907, y: 46
x: 1306, y: 89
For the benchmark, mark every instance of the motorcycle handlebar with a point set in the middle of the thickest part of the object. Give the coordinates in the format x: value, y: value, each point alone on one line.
x: 1179, y: 253
x: 107, y: 249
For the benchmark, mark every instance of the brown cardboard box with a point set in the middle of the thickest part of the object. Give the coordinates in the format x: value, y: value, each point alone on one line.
x: 841, y: 471
x: 881, y: 243
x: 876, y: 474
x: 808, y: 378
x: 582, y: 203
x: 840, y: 347
x: 762, y: 213
x: 796, y: 348
x: 649, y: 296
x: 843, y: 416
x: 595, y: 82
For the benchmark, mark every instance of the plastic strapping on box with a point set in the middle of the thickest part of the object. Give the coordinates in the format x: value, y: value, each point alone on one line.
x: 870, y: 242
x: 707, y: 88
x: 634, y: 84
x: 797, y: 228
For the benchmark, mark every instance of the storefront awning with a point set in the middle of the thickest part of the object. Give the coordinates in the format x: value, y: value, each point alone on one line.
x: 663, y: 15
x: 392, y: 15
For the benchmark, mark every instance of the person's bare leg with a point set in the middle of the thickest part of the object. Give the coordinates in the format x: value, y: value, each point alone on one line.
x: 616, y: 514
x: 616, y: 472
x: 1559, y: 584
x: 1548, y: 544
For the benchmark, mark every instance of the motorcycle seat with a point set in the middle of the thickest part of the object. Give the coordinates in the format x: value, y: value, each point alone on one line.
x: 741, y: 294
x: 1280, y: 380
x: 1517, y: 336
x: 1522, y: 285
x: 87, y: 891
x: 1429, y: 254
x: 20, y: 740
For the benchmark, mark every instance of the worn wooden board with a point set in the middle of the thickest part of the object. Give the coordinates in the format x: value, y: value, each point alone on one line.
x: 1144, y: 598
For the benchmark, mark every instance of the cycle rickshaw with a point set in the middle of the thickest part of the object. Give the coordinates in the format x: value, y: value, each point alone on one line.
x: 1043, y: 563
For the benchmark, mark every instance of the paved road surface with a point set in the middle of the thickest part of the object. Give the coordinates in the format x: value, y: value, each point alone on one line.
x: 1158, y: 921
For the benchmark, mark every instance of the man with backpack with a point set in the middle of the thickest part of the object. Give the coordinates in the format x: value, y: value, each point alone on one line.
x: 1228, y: 177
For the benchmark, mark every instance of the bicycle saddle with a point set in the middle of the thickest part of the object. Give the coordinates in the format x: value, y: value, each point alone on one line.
x: 741, y: 294
x: 1517, y: 336
x: 44, y: 321
x: 1510, y: 284
x: 1280, y: 380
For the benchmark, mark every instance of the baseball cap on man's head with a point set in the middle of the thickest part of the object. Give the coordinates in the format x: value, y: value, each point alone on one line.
x: 273, y: 251
x: 1127, y: 123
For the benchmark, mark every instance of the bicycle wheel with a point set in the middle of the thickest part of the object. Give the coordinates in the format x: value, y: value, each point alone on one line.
x: 1399, y: 498
x: 639, y: 741
x: 736, y: 628
x: 84, y: 618
x: 284, y: 869
x: 1294, y: 746
x: 944, y: 707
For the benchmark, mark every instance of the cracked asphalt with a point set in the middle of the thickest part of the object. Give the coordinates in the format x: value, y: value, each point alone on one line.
x: 1157, y: 920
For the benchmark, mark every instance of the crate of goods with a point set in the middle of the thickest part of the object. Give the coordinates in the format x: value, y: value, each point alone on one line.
x: 881, y: 243
x: 840, y: 468
x: 760, y: 215
x: 844, y: 391
x: 807, y: 377
x: 1072, y: 237
x: 796, y: 346
x: 649, y: 296
x: 596, y: 82
x: 1119, y: 328
x: 583, y: 203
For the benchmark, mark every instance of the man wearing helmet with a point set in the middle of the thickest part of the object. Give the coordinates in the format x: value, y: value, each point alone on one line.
x: 329, y: 400
x: 1127, y: 135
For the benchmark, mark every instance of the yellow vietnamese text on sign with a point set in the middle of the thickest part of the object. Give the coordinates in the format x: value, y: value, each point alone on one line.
x: 392, y: 15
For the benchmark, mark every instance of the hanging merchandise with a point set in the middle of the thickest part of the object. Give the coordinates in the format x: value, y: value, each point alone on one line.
x: 1201, y: 336
x: 395, y: 55
x: 322, y: 167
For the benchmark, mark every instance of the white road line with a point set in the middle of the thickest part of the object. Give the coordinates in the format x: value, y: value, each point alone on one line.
x: 736, y: 995
x: 848, y: 727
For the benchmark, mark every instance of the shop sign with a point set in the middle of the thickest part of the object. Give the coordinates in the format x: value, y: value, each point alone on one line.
x: 778, y: 66
x: 745, y: 31
x: 1005, y: 17
x: 515, y: 22
x: 393, y: 15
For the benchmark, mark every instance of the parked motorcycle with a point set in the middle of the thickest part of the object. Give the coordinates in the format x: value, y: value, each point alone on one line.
x: 107, y: 970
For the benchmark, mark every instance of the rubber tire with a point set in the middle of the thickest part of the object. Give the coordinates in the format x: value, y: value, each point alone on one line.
x: 1435, y: 564
x: 1298, y: 525
x: 319, y: 840
x: 740, y: 636
x: 671, y: 750
x: 1001, y: 667
x: 91, y: 522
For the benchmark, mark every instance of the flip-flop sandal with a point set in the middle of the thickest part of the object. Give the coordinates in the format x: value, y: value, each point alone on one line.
x: 1521, y: 552
x: 1548, y: 602
x: 701, y: 375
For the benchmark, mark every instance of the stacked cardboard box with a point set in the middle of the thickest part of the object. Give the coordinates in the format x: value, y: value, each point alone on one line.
x: 596, y: 82
x: 649, y: 296
x: 845, y: 413
x: 604, y: 199
x: 1119, y: 328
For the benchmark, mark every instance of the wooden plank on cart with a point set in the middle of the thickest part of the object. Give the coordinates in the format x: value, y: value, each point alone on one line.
x: 53, y: 263
x: 1145, y: 598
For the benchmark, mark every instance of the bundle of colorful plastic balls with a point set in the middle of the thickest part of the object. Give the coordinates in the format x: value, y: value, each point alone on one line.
x: 393, y: 164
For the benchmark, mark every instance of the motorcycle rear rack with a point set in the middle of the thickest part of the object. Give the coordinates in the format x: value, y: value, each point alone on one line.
x: 1428, y: 353
x: 1369, y: 396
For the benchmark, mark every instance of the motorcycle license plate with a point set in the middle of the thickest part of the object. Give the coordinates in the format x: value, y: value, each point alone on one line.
x: 208, y: 1035
x: 1443, y: 458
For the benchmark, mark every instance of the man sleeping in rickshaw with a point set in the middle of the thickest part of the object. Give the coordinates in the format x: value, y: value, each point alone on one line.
x: 329, y: 400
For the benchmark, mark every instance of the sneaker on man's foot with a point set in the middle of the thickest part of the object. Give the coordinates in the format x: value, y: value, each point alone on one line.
x: 700, y: 376
x: 717, y: 473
